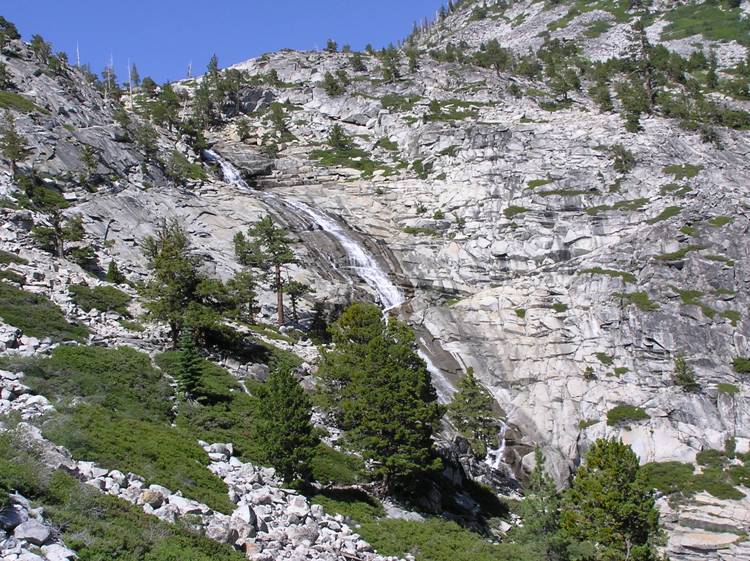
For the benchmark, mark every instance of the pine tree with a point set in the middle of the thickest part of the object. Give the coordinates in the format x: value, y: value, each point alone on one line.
x: 175, y: 276
x: 339, y: 140
x: 243, y: 129
x: 135, y: 78
x: 332, y: 46
x: 540, y: 512
x: 13, y: 145
x: 242, y: 289
x: 283, y: 427
x: 383, y: 394
x: 6, y: 83
x: 145, y: 137
x: 331, y: 85
x: 712, y: 78
x: 90, y: 161
x: 113, y: 273
x: 471, y: 412
x: 296, y: 290
x: 41, y: 48
x: 357, y: 63
x: 608, y: 507
x: 189, y: 370
x: 684, y: 375
x: 268, y: 249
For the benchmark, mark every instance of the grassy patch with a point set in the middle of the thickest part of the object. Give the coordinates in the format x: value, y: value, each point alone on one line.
x: 675, y: 189
x: 399, y: 103
x: 620, y: 370
x: 583, y: 424
x: 437, y: 540
x: 559, y: 308
x: 99, y: 526
x: 8, y: 258
x: 711, y: 20
x: 719, y: 221
x: 420, y: 231
x: 513, y: 211
x: 625, y: 276
x: 534, y: 183
x: 666, y: 214
x: 741, y: 365
x: 131, y: 325
x: 103, y: 298
x: 680, y: 253
x: 521, y: 312
x: 332, y: 466
x: 355, y: 505
x: 729, y: 389
x: 732, y: 315
x: 387, y: 144
x: 667, y: 477
x: 597, y: 28
x: 638, y: 299
x: 623, y: 414
x: 605, y: 359
x: 451, y: 110
x: 36, y: 315
x: 685, y: 171
x: 353, y: 158
x: 18, y: 102
x: 563, y: 193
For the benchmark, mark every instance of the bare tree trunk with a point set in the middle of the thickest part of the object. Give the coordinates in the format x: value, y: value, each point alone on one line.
x: 279, y: 296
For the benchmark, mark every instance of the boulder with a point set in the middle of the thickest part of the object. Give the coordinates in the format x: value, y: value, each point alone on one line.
x: 33, y: 532
x: 56, y: 552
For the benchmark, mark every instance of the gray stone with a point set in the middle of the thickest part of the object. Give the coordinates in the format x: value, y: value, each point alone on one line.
x: 32, y: 531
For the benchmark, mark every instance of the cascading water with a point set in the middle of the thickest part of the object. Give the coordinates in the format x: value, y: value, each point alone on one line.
x: 494, y: 457
x: 364, y: 264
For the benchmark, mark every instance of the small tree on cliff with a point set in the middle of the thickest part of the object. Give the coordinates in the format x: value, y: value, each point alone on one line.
x: 472, y: 414
x: 268, y: 248
x: 13, y: 145
x: 189, y: 371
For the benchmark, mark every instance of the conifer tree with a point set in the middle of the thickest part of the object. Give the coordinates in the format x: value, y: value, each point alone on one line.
x: 608, y: 506
x: 5, y: 80
x: 283, y: 427
x: 41, y: 48
x: 540, y: 512
x: 382, y: 394
x: 472, y: 414
x: 331, y: 85
x: 90, y: 161
x: 135, y: 78
x: 13, y: 145
x: 269, y: 249
x: 189, y: 371
x: 296, y: 290
x: 113, y: 273
x: 684, y: 375
x: 242, y: 289
x: 339, y: 140
x: 357, y: 63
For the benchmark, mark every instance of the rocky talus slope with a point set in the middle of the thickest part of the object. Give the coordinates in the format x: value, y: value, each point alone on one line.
x: 569, y: 283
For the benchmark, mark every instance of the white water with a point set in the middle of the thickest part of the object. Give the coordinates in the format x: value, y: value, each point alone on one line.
x: 364, y: 264
x: 494, y: 457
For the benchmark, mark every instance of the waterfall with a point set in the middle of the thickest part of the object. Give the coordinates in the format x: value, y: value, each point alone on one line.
x: 363, y: 263
x: 494, y: 457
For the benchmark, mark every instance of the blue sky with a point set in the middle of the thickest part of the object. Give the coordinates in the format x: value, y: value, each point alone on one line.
x: 163, y: 36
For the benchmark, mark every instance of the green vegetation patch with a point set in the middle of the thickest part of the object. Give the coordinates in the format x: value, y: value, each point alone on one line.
x: 8, y: 258
x: 420, y: 231
x: 437, y: 540
x: 37, y: 315
x: 623, y: 414
x: 685, y: 171
x: 353, y: 504
x: 624, y: 275
x: 18, y: 102
x: 680, y: 253
x: 668, y: 477
x: 534, y: 183
x: 521, y: 312
x: 666, y: 214
x: 605, y: 359
x: 332, y: 466
x: 741, y: 365
x: 103, y: 298
x: 95, y: 525
x: 719, y: 221
x: 729, y: 389
x: 399, y: 103
x: 559, y: 307
x: 638, y: 299
x: 711, y: 20
x: 353, y: 158
x: 513, y: 211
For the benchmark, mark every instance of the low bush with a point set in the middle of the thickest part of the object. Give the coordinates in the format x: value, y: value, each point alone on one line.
x: 741, y: 365
x: 8, y: 258
x: 353, y: 504
x: 103, y: 298
x: 623, y: 414
x: 36, y: 315
x: 639, y: 299
x: 331, y: 466
x: 438, y: 540
x: 668, y: 477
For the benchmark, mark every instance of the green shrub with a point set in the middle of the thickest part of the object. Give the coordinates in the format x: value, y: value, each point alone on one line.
x: 638, y: 299
x: 666, y: 214
x: 36, y: 315
x: 622, y: 414
x: 399, y: 103
x: 160, y: 453
x: 716, y: 482
x: 12, y: 276
x: 685, y: 171
x: 420, y: 231
x: 719, y: 221
x: 534, y: 183
x: 331, y: 466
x: 521, y: 312
x: 119, y: 379
x: 387, y: 144
x: 103, y: 298
x: 729, y: 389
x: 605, y: 359
x: 709, y: 19
x: 354, y: 504
x: 668, y: 477
x: 7, y: 258
x: 18, y: 102
x: 625, y: 276
x: 710, y: 458
x: 438, y: 540
x: 741, y: 365
x: 513, y: 211
x: 559, y: 308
